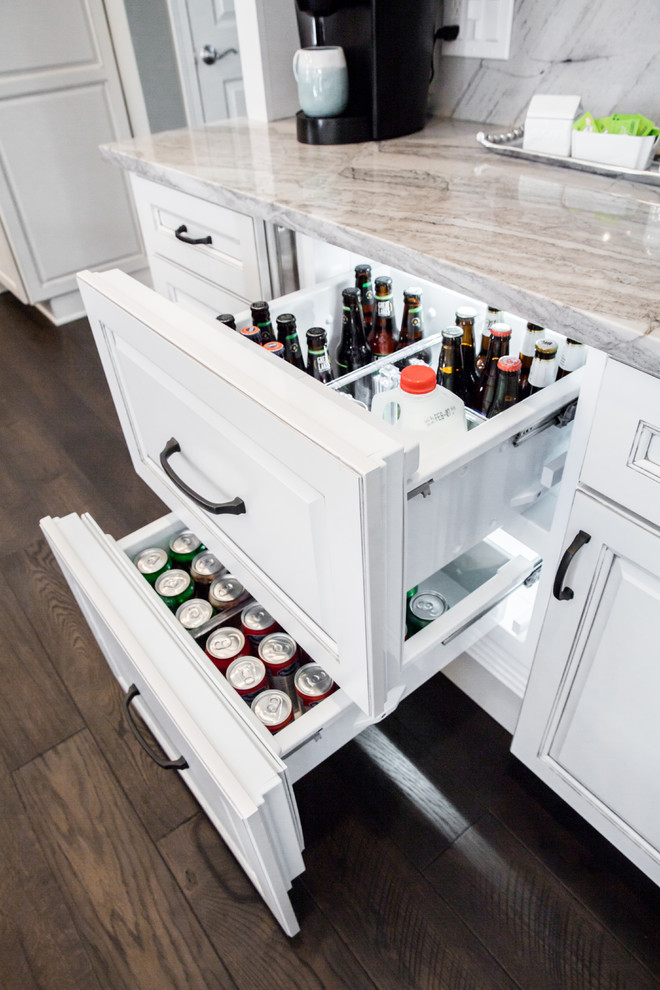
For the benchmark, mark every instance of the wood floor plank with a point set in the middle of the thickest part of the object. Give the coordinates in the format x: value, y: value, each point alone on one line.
x: 138, y: 927
x: 40, y: 948
x: 531, y: 923
x: 255, y: 950
x: 160, y: 798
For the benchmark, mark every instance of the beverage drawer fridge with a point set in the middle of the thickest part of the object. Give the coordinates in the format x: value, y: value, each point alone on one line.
x: 325, y: 514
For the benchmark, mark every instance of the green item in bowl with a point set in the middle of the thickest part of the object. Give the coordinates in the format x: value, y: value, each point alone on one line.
x: 632, y: 124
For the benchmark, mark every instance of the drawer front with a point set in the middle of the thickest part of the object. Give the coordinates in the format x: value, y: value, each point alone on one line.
x: 236, y: 777
x: 193, y: 293
x: 623, y: 455
x: 231, y: 259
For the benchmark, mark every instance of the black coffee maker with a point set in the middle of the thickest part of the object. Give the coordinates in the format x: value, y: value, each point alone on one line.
x: 388, y: 46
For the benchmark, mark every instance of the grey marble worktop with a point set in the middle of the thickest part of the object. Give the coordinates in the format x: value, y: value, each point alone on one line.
x: 569, y: 250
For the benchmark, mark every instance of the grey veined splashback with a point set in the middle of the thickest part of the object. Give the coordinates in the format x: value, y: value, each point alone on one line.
x: 607, y: 51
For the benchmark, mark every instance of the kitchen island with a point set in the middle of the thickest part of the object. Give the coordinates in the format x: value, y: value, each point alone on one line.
x: 561, y: 248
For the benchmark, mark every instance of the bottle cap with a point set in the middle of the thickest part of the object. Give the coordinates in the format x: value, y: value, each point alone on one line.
x: 350, y: 293
x: 250, y: 331
x: 466, y: 313
x: 316, y: 333
x: 412, y: 291
x: 546, y: 348
x: 453, y: 332
x: 509, y: 363
x: 417, y: 379
x: 500, y: 330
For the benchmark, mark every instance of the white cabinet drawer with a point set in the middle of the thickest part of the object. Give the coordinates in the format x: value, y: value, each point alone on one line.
x: 234, y: 242
x: 623, y: 456
x: 192, y: 292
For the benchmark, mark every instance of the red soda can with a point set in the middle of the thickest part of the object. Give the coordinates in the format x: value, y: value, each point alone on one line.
x: 247, y: 676
x: 224, y: 645
x: 257, y: 623
x: 279, y: 652
x: 274, y: 709
x: 312, y: 685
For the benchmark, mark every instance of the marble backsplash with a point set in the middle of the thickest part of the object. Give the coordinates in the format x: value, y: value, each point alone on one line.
x: 607, y: 51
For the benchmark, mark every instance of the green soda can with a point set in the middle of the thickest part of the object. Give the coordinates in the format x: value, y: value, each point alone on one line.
x: 184, y: 547
x: 423, y: 609
x: 175, y: 587
x: 152, y: 562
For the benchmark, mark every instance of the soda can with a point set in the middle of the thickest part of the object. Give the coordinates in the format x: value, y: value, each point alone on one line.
x: 257, y: 623
x: 424, y: 608
x: 274, y: 709
x: 247, y: 676
x: 279, y: 652
x: 226, y: 591
x: 204, y: 570
x: 312, y: 685
x: 184, y: 547
x: 194, y: 613
x: 174, y: 587
x: 152, y: 562
x: 224, y: 645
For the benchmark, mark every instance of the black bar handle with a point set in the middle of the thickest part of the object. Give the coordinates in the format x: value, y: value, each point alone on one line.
x: 235, y: 507
x: 565, y: 594
x: 180, y: 764
x: 180, y: 234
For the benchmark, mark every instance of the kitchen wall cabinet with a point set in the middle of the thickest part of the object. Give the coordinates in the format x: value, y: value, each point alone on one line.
x: 589, y: 725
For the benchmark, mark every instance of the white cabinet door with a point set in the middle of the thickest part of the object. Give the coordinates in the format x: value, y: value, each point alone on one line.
x: 589, y: 724
x: 232, y: 771
x: 318, y: 491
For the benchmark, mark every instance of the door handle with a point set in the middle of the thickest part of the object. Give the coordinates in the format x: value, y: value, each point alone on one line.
x: 560, y: 593
x: 181, y: 235
x: 209, y: 54
x: 235, y: 507
x: 180, y: 764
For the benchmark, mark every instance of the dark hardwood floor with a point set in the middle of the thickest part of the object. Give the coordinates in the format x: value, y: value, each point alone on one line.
x: 433, y: 859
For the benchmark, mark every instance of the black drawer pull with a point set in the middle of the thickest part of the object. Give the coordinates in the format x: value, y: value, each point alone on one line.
x: 180, y: 234
x: 235, y: 507
x: 565, y: 594
x: 179, y: 764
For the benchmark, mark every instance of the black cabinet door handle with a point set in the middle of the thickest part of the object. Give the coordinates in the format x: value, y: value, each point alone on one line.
x: 560, y: 593
x: 179, y: 764
x: 235, y: 507
x: 180, y: 234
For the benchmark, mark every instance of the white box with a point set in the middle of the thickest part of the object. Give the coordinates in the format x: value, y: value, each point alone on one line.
x: 549, y: 123
x: 613, y: 149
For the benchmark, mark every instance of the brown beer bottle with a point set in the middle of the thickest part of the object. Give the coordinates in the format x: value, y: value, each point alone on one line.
x: 493, y: 316
x: 532, y: 334
x: 500, y: 335
x: 353, y: 352
x: 544, y: 366
x: 227, y: 319
x: 364, y: 283
x: 318, y: 361
x: 412, y: 323
x: 572, y: 357
x: 383, y: 336
x: 506, y: 391
x: 465, y: 317
x: 451, y: 374
x: 261, y: 318
x: 287, y: 334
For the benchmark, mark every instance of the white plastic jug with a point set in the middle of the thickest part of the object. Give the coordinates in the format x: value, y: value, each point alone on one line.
x: 420, y: 406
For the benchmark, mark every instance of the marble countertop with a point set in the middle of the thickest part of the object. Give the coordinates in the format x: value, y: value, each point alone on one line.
x: 569, y: 250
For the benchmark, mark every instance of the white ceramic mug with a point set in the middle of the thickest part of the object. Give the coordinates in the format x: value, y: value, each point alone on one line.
x: 322, y: 79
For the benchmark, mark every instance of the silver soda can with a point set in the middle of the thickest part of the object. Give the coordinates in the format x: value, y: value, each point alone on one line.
x: 152, y: 562
x: 247, y: 676
x: 257, y: 623
x: 423, y: 608
x: 226, y: 591
x: 224, y: 645
x: 204, y: 570
x: 279, y: 652
x: 194, y: 613
x: 273, y: 709
x: 312, y: 685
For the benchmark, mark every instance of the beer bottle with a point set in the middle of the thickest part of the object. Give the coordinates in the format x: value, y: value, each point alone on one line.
x: 572, y: 357
x: 544, y: 365
x: 465, y: 317
x: 451, y: 373
x: 227, y: 319
x: 527, y: 356
x: 287, y: 334
x: 353, y: 352
x: 500, y: 335
x: 364, y: 284
x: 318, y: 361
x: 506, y: 391
x: 261, y: 318
x: 382, y: 339
x: 493, y: 316
x: 274, y: 347
x: 251, y: 333
x: 412, y: 323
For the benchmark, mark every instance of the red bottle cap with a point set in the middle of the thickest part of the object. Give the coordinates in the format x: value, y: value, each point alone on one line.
x: 509, y: 363
x: 500, y: 330
x: 418, y: 379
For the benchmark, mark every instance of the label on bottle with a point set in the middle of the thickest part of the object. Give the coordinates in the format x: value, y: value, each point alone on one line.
x: 440, y: 415
x: 384, y: 307
x: 322, y: 362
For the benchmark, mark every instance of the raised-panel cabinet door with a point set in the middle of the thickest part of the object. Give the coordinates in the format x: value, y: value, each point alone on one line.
x: 62, y: 206
x: 589, y: 724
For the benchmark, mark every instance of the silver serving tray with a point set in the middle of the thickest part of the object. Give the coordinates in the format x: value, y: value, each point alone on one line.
x: 509, y: 144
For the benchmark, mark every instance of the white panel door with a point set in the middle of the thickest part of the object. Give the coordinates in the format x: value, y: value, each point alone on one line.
x: 589, y: 724
x: 62, y: 206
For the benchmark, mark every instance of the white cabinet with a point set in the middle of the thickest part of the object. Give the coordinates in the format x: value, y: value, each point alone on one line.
x: 589, y: 723
x: 331, y: 517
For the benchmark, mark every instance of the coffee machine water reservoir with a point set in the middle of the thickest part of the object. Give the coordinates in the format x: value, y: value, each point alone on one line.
x: 388, y: 46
